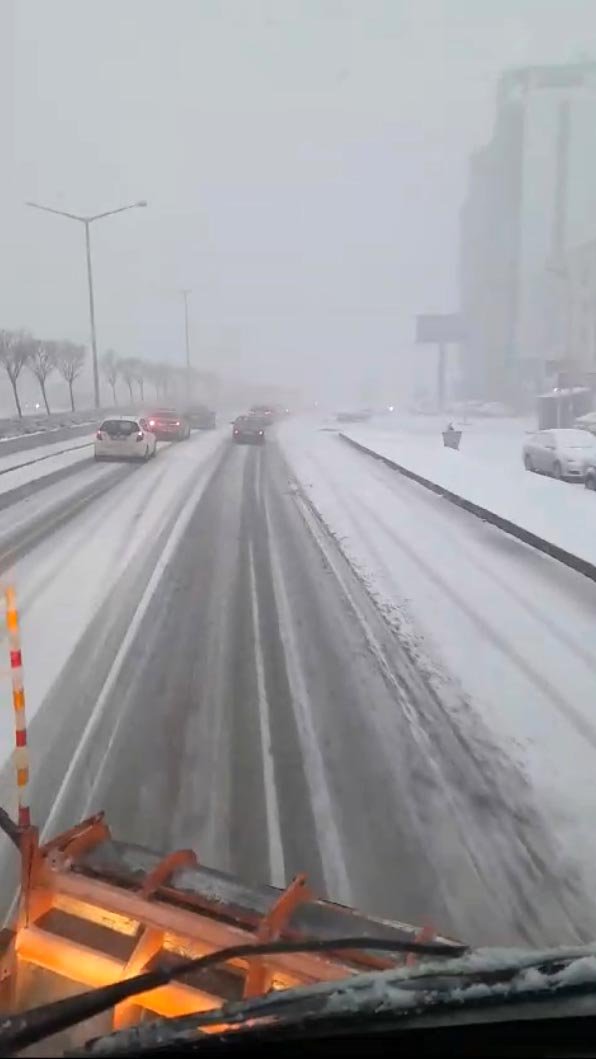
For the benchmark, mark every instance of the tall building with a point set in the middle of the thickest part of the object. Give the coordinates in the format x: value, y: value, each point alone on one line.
x: 579, y: 278
x: 531, y: 196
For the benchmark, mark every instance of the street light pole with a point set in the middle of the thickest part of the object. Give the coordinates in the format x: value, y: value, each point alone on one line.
x: 92, y: 317
x: 87, y: 221
x: 185, y: 294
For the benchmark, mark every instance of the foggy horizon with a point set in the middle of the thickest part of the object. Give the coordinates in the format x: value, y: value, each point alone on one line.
x: 304, y: 165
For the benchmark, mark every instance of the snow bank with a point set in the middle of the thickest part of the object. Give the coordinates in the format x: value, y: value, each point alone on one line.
x: 42, y: 464
x: 560, y: 512
x: 41, y: 453
x: 503, y: 632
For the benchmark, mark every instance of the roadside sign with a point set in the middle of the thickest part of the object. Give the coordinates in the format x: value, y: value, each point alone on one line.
x: 439, y: 328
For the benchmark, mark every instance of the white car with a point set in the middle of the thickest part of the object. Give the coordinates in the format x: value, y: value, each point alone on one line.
x: 562, y: 452
x: 124, y: 438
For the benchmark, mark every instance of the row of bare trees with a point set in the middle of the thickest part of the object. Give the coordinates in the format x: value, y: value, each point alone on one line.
x: 167, y: 380
x: 20, y: 350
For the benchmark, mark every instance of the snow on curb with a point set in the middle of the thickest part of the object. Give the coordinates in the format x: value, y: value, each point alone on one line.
x: 549, y: 547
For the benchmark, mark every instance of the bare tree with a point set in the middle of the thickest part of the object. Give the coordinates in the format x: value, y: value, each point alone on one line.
x: 42, y: 362
x: 70, y: 360
x: 110, y: 366
x: 152, y: 375
x: 14, y: 354
x: 139, y: 370
x: 164, y: 379
x: 127, y: 371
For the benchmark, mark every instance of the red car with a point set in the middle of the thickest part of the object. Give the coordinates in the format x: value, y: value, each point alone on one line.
x: 168, y: 425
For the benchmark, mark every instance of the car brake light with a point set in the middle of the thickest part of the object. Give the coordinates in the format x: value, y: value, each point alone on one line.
x: 99, y: 435
x: 140, y: 435
x: 151, y: 422
x: 260, y: 431
x: 177, y: 423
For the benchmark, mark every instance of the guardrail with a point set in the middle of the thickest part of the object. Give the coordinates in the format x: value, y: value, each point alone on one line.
x: 575, y: 562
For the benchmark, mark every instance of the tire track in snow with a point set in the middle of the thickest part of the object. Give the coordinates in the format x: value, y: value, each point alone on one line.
x: 329, y: 841
x: 508, y: 844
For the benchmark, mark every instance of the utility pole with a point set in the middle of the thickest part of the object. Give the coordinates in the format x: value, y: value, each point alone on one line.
x: 185, y: 293
x: 441, y: 371
x: 87, y: 221
x: 92, y: 317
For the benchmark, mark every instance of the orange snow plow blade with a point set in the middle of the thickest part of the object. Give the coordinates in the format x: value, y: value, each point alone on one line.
x: 94, y: 911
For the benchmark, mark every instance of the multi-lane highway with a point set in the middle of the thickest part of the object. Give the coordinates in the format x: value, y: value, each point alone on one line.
x: 207, y: 666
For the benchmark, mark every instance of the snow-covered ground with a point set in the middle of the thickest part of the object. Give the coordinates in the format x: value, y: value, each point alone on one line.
x: 488, y: 471
x: 73, y: 576
x: 487, y: 617
x: 29, y: 465
x: 487, y: 440
x: 28, y: 457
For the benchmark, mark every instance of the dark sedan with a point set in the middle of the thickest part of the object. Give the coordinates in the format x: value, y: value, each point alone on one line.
x: 246, y: 430
x: 201, y: 417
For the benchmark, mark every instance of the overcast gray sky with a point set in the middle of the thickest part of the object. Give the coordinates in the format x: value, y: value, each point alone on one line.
x: 304, y: 163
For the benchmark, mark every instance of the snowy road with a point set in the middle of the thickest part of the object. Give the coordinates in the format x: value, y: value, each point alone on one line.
x: 220, y: 677
x: 267, y: 715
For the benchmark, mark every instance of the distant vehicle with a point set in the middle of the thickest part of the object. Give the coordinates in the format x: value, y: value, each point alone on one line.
x: 201, y: 417
x: 124, y: 439
x: 247, y: 430
x: 168, y: 425
x: 353, y: 417
x: 264, y: 412
x: 562, y: 452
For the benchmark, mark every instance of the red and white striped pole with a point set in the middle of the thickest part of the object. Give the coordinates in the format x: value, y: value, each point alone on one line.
x: 18, y: 702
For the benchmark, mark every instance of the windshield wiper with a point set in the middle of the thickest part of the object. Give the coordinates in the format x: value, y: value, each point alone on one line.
x: 19, y: 1031
x: 482, y: 987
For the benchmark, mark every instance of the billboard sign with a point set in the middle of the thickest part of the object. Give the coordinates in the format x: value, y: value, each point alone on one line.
x: 439, y: 328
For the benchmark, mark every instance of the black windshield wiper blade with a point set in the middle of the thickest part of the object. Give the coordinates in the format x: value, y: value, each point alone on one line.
x: 404, y: 997
x: 400, y: 997
x: 20, y: 1031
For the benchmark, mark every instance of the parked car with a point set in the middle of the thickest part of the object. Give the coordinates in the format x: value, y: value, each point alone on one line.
x: 201, y: 417
x: 124, y: 438
x: 587, y: 422
x: 353, y: 417
x: 247, y: 430
x: 590, y: 474
x: 168, y: 425
x: 562, y: 452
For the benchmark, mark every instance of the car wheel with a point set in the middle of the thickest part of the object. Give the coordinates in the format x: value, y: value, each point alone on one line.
x: 590, y: 480
x: 528, y: 462
x: 146, y: 454
x: 557, y: 470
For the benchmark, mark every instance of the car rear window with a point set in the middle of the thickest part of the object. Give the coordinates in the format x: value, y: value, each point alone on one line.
x: 119, y: 428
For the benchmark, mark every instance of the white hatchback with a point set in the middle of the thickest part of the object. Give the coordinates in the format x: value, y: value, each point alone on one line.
x: 124, y: 439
